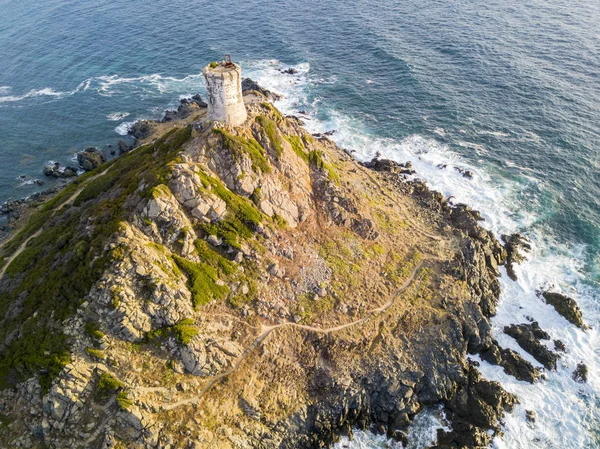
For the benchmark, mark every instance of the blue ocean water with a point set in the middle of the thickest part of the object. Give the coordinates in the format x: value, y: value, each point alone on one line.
x: 507, y: 89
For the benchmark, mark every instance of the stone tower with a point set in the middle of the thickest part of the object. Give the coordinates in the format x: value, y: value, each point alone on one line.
x: 224, y: 86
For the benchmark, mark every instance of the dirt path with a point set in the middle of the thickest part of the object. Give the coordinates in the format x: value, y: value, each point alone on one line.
x: 39, y: 232
x: 267, y: 330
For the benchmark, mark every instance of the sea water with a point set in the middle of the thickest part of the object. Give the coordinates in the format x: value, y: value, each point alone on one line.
x: 508, y: 90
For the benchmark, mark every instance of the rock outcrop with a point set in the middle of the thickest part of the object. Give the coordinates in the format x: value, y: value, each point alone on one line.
x: 91, y: 158
x: 565, y: 306
x: 247, y: 287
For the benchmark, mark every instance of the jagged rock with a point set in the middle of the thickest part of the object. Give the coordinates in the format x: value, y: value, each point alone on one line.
x: 565, y: 306
x: 515, y: 245
x: 214, y: 240
x: 90, y: 158
x: 55, y: 170
x: 389, y: 166
x: 528, y: 336
x: 512, y: 363
x: 559, y: 346
x: 250, y: 85
x: 142, y: 129
x: 185, y: 109
x: 123, y: 147
x: 463, y: 171
x: 580, y: 373
x: 530, y: 415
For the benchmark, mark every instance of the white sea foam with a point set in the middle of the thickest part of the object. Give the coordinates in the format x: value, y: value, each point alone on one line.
x: 567, y: 412
x: 116, y: 116
x: 123, y: 128
x: 4, y: 90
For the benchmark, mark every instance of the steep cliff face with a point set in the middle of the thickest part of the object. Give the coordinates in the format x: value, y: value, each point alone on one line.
x: 248, y: 287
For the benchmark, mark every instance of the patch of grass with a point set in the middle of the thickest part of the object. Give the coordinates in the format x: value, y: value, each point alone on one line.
x: 96, y: 353
x: 213, y: 65
x: 315, y: 158
x: 107, y: 385
x: 123, y: 400
x: 256, y: 198
x: 241, y: 218
x: 203, y: 281
x: 280, y: 221
x: 270, y: 129
x: 93, y: 330
x: 298, y: 147
x: 273, y: 110
x: 184, y: 331
x: 250, y: 147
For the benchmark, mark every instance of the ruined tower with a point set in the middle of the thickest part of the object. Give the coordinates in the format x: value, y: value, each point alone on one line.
x: 224, y: 86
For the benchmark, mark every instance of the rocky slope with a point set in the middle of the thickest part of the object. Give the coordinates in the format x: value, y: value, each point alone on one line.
x: 251, y: 288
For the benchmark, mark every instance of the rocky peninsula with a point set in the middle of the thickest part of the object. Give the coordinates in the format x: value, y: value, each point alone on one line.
x: 249, y: 287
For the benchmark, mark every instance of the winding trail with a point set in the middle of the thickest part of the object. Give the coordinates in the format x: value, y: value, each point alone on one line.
x: 267, y: 330
x: 21, y: 248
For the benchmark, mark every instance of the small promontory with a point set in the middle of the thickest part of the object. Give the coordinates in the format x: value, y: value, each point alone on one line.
x: 244, y: 287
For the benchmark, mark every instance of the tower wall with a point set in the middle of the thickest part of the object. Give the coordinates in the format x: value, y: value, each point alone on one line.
x: 225, y: 100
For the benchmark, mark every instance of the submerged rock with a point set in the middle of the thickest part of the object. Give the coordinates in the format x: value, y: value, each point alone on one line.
x: 565, y: 306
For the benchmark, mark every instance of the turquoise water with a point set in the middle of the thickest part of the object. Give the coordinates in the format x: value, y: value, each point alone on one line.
x: 510, y: 90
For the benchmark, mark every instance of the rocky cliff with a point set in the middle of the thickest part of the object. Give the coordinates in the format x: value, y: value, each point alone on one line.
x: 252, y: 287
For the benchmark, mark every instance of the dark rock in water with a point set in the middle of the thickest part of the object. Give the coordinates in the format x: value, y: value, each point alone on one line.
x: 528, y: 336
x: 512, y: 362
x: 515, y: 245
x: 530, y: 415
x: 195, y: 99
x: 290, y: 71
x: 463, y: 171
x: 90, y: 158
x: 565, y: 306
x: 250, y: 85
x: 442, y: 166
x: 185, y: 109
x: 142, y: 129
x: 55, y: 170
x: 472, y: 410
x: 330, y: 133
x: 559, y: 346
x: 386, y: 165
x: 580, y: 373
x: 123, y: 148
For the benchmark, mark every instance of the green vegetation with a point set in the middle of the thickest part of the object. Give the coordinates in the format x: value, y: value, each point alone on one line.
x: 185, y: 331
x: 272, y: 110
x: 397, y: 267
x: 256, y: 198
x: 298, y: 147
x: 96, y: 353
x: 270, y: 129
x: 315, y: 158
x: 242, y: 215
x: 123, y: 400
x: 213, y: 64
x: 57, y: 269
x: 93, y: 330
x: 240, y: 145
x: 280, y: 221
x: 203, y: 281
x: 108, y: 384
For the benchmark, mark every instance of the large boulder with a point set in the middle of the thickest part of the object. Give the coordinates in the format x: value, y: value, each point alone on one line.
x: 565, y: 306
x: 142, y: 129
x: 53, y: 169
x: 528, y: 336
x: 90, y: 158
x: 249, y: 85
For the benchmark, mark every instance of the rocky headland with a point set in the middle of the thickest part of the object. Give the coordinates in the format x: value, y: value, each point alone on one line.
x: 253, y: 287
